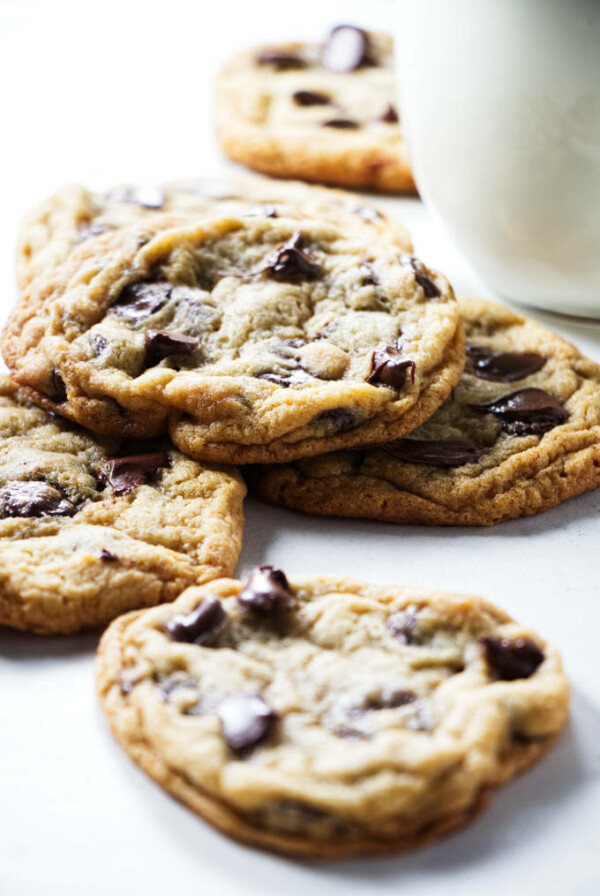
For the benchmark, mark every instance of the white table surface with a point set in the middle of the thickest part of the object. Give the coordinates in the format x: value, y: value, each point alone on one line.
x: 112, y: 91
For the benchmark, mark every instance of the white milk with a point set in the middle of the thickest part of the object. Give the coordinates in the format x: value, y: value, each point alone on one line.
x: 501, y: 104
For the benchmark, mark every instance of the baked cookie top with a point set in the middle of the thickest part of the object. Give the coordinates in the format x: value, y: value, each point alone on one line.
x: 324, y: 112
x: 263, y: 338
x: 325, y: 716
x: 90, y: 528
x: 519, y: 434
x: 74, y: 214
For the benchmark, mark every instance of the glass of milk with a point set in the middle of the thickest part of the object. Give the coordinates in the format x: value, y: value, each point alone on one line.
x: 500, y: 102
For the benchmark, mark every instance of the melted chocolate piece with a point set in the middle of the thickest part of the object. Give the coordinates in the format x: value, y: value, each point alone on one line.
x: 444, y: 453
x: 387, y: 699
x: 346, y: 49
x: 267, y: 592
x: 127, y: 473
x: 503, y: 367
x: 140, y: 300
x: 526, y: 412
x: 310, y: 98
x: 341, y: 419
x: 261, y: 211
x: 421, y: 276
x: 201, y: 626
x: 91, y: 229
x: 508, y: 660
x: 342, y: 123
x: 280, y: 60
x: 369, y: 277
x: 292, y: 263
x: 34, y: 499
x: 294, y: 378
x: 390, y: 116
x: 99, y: 344
x: 402, y: 625
x: 161, y: 344
x: 108, y: 556
x: 389, y: 367
x: 59, y: 390
x: 296, y: 342
x: 246, y: 720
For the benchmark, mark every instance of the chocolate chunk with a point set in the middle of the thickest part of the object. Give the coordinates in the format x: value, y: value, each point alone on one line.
x: 508, y: 660
x: 310, y: 98
x: 161, y: 344
x: 292, y: 263
x: 369, y: 277
x: 89, y: 229
x: 246, y: 721
x: 442, y: 453
x: 503, y: 367
x: 146, y: 195
x: 99, y: 344
x: 346, y: 49
x: 293, y: 378
x: 34, y: 499
x: 280, y: 60
x: 389, y: 367
x: 201, y: 626
x: 340, y: 419
x: 57, y: 384
x: 421, y: 276
x: 402, y: 625
x: 261, y: 211
x: 526, y: 412
x: 267, y: 592
x: 296, y: 342
x: 140, y: 300
x: 387, y: 699
x: 390, y: 116
x: 342, y: 123
x: 108, y: 556
x: 127, y: 473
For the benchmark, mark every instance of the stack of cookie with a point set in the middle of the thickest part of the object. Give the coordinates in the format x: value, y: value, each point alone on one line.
x: 163, y: 335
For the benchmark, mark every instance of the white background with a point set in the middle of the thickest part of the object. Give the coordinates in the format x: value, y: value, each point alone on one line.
x: 111, y: 91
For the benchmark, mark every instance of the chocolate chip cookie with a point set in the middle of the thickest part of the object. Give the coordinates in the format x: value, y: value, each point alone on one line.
x: 73, y: 214
x: 519, y: 434
x: 252, y: 339
x: 326, y: 717
x: 90, y: 528
x: 324, y: 112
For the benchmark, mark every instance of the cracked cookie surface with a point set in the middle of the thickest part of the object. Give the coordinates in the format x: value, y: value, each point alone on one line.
x: 74, y: 214
x: 253, y: 339
x: 90, y: 528
x: 327, y: 717
x: 519, y: 434
x: 323, y: 112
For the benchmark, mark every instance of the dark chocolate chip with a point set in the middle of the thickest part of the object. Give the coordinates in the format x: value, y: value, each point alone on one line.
x: 390, y: 116
x: 127, y: 473
x: 280, y: 60
x: 421, y: 276
x: 342, y: 123
x: 508, y: 660
x: 503, y: 367
x: 246, y: 720
x: 310, y: 98
x: 139, y: 300
x: 526, y: 412
x: 402, y: 625
x: 293, y: 378
x: 261, y: 211
x: 201, y: 626
x: 99, y: 344
x: 389, y: 367
x: 34, y: 499
x: 267, y: 592
x: 444, y: 453
x: 346, y: 49
x: 291, y: 262
x: 108, y: 556
x: 340, y: 419
x: 369, y: 277
x: 160, y: 344
x: 58, y: 388
x: 387, y: 699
